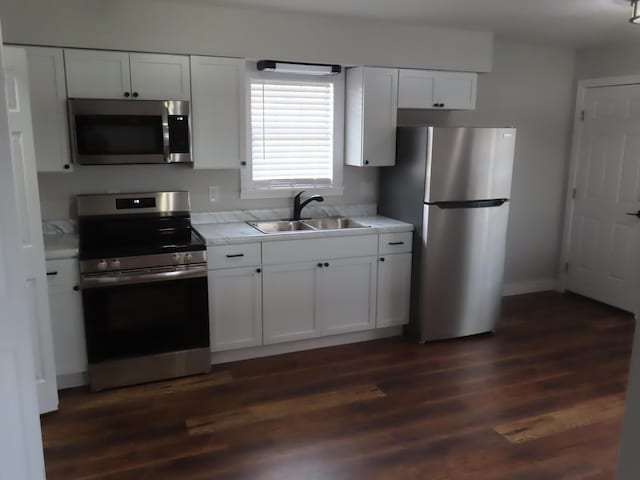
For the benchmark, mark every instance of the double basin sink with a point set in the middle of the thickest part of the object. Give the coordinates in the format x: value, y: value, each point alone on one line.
x: 316, y: 224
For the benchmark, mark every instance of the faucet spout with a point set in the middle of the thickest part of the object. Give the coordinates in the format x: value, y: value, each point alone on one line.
x: 298, y: 205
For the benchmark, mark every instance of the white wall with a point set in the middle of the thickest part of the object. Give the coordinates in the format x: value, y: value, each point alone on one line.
x: 193, y: 26
x: 608, y: 61
x: 531, y: 88
x: 58, y: 189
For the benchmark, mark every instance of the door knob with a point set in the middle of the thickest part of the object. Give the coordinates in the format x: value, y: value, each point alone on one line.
x: 637, y: 214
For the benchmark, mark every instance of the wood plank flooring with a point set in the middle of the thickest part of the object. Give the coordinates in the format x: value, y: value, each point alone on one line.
x: 541, y: 399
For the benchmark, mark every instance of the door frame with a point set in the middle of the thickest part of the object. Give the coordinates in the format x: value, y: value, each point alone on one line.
x: 583, y: 86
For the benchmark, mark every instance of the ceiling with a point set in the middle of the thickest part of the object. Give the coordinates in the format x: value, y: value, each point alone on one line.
x: 567, y: 22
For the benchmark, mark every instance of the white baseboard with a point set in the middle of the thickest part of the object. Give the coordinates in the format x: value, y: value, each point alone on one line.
x: 520, y: 288
x: 72, y: 380
x: 301, y: 345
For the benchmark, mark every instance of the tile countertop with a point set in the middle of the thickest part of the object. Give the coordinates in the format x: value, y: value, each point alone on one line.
x: 60, y: 246
x: 239, y: 232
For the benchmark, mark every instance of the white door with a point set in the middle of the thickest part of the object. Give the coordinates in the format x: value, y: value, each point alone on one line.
x: 380, y: 116
x: 48, y: 93
x: 160, y: 77
x: 394, y: 290
x: 20, y: 439
x: 97, y: 74
x: 289, y: 302
x: 603, y: 255
x: 347, y: 295
x: 235, y: 308
x: 218, y: 111
x: 30, y: 224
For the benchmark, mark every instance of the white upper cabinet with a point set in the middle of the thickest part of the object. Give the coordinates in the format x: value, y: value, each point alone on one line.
x: 97, y: 74
x: 122, y: 75
x: 425, y: 89
x: 159, y: 77
x: 372, y: 103
x: 48, y: 93
x: 218, y: 107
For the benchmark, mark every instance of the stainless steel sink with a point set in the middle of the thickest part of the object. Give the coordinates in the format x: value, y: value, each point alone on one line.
x: 280, y: 227
x: 333, y: 223
x: 286, y: 226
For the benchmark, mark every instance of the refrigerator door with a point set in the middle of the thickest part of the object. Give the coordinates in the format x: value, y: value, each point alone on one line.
x: 469, y: 163
x: 462, y: 268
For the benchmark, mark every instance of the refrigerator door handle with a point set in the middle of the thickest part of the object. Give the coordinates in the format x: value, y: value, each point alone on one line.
x: 497, y: 202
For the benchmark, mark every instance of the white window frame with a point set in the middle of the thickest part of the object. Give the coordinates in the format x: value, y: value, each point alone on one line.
x: 250, y: 189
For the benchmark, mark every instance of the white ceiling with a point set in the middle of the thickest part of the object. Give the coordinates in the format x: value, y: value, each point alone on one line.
x: 566, y: 22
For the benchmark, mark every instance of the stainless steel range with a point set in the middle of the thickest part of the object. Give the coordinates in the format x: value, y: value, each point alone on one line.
x: 144, y: 288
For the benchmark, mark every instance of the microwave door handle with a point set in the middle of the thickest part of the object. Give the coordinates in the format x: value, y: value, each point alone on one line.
x: 165, y: 135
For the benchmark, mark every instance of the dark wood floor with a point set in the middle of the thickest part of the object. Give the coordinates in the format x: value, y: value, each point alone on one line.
x: 542, y: 399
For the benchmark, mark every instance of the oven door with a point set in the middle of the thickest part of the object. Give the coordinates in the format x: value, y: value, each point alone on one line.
x: 145, y: 312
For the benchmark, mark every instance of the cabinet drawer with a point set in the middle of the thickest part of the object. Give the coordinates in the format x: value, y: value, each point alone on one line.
x: 290, y: 251
x: 62, y: 275
x: 229, y: 256
x: 395, y: 243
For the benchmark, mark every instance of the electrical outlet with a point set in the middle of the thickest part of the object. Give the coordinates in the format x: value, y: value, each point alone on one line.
x: 214, y: 193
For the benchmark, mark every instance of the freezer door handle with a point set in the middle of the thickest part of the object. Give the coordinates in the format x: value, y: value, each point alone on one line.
x: 498, y: 202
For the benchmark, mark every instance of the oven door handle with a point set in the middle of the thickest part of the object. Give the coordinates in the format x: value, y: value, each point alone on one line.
x: 112, y: 280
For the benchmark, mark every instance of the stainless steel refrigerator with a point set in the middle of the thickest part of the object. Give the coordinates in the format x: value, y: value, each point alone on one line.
x: 454, y: 185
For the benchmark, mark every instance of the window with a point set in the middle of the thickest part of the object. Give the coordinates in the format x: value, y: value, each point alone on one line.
x: 295, y: 135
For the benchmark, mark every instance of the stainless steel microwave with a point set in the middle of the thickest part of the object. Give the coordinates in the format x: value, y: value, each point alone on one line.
x: 116, y: 132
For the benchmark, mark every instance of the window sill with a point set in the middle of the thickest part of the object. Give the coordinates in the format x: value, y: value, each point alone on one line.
x: 290, y: 192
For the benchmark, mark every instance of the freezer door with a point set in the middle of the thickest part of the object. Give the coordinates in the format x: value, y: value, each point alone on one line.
x: 469, y: 164
x: 461, y: 272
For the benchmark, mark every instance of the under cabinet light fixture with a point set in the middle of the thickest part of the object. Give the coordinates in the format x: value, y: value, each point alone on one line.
x: 298, y: 68
x: 635, y: 12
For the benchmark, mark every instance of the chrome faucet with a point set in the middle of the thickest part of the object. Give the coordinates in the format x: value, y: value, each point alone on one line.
x: 297, y: 206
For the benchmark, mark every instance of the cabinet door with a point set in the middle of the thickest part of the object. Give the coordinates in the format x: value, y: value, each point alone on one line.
x: 416, y: 88
x: 97, y: 74
x: 380, y: 110
x: 394, y: 290
x: 218, y: 112
x: 67, y: 319
x: 235, y: 308
x: 48, y: 92
x: 347, y: 295
x: 160, y: 77
x: 30, y: 224
x: 289, y: 302
x: 456, y: 91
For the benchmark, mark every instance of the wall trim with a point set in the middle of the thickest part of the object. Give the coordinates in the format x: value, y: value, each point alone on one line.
x: 531, y: 286
x: 583, y: 85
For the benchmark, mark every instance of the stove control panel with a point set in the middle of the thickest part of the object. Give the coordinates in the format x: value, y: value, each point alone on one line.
x: 142, y: 261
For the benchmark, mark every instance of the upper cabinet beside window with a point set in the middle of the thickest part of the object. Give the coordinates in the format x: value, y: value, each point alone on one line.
x: 218, y: 112
x: 122, y: 75
x: 371, y: 111
x: 425, y: 89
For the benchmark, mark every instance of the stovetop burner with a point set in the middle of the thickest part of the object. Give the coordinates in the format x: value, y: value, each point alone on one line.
x: 113, y: 228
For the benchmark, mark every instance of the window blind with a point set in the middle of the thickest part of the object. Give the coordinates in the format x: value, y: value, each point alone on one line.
x: 292, y: 132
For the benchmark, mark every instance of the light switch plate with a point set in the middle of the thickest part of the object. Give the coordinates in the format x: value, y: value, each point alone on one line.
x: 214, y: 193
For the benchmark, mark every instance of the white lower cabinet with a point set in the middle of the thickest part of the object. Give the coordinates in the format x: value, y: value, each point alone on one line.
x: 290, y: 293
x: 235, y: 308
x: 394, y: 290
x: 347, y: 295
x: 67, y: 319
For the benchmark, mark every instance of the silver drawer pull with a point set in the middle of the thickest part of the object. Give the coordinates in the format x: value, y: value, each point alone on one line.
x: 396, y: 243
x: 236, y: 255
